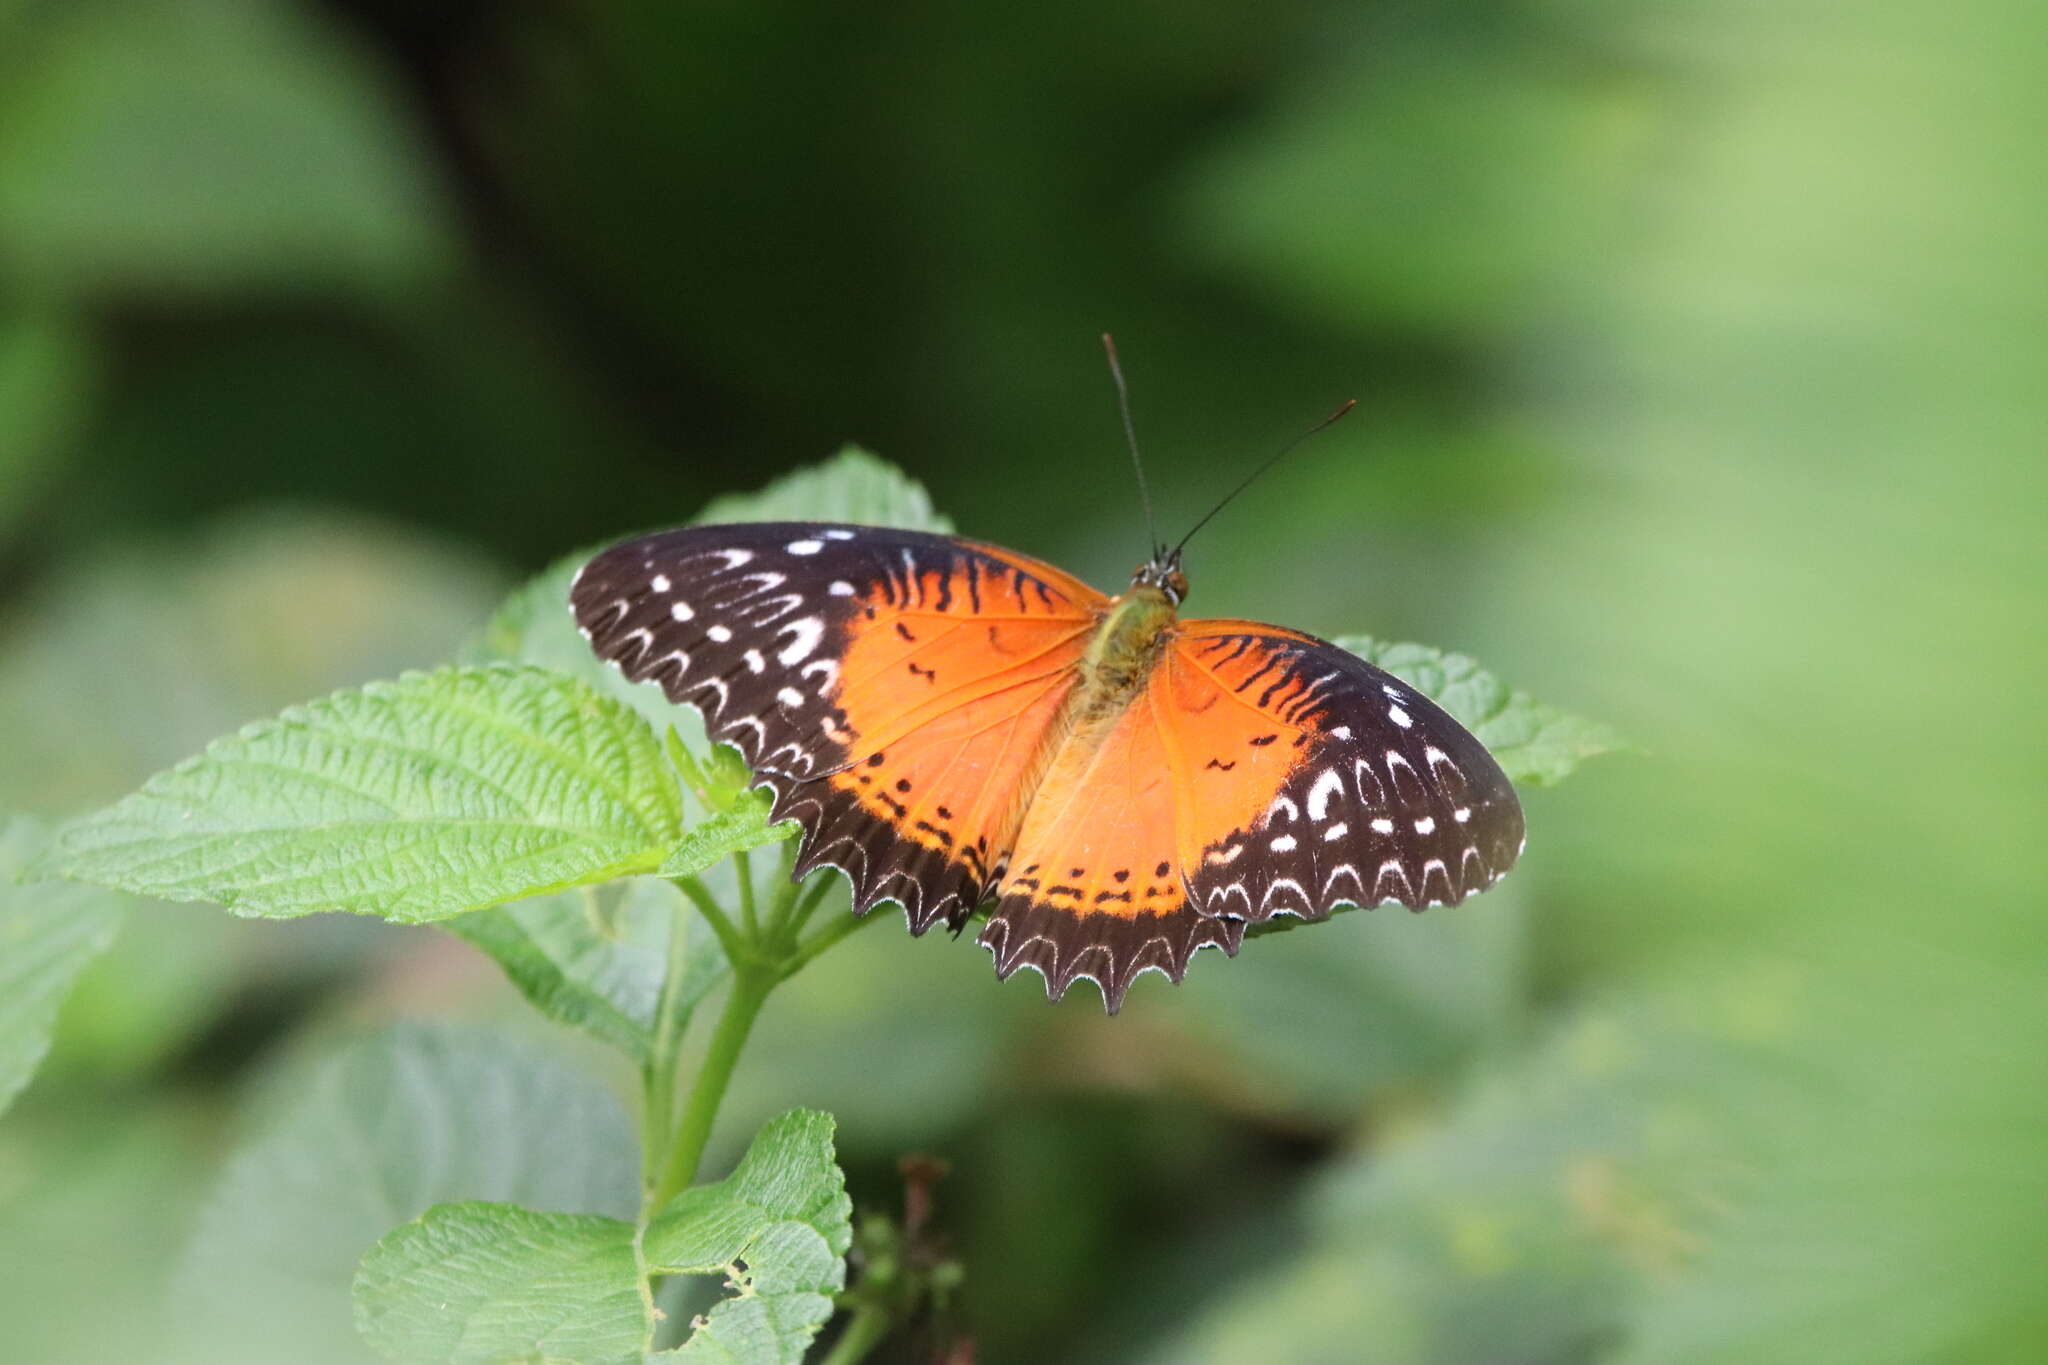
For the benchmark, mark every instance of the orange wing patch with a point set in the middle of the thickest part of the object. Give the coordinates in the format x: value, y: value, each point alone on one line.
x: 949, y: 684
x: 1095, y: 888
x: 1228, y: 727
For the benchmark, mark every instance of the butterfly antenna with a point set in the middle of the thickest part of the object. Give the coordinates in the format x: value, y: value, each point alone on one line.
x: 1254, y: 476
x: 1123, y: 402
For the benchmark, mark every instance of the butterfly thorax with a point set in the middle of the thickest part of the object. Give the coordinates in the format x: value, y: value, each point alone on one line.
x: 1135, y: 629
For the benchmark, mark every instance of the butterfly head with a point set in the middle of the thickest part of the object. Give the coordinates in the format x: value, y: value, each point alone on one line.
x: 1161, y: 575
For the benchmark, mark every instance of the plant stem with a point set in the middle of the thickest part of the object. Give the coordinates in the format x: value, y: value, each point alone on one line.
x: 814, y: 896
x: 742, y: 865
x: 658, y: 1079
x: 721, y: 925
x: 864, y: 1331
x: 751, y: 983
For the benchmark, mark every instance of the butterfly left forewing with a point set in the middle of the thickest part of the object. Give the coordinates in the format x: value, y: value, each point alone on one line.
x: 1311, y: 779
x: 895, y: 690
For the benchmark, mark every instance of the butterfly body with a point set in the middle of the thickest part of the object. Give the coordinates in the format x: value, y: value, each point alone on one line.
x: 952, y: 723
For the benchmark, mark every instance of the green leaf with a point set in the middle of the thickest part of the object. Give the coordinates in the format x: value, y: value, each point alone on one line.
x: 483, y: 1282
x: 357, y: 1141
x: 493, y: 1282
x: 415, y: 800
x: 48, y: 933
x: 1532, y: 742
x: 734, y: 831
x: 853, y: 486
x: 594, y: 957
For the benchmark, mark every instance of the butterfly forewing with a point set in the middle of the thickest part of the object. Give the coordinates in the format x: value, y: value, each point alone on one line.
x: 1312, y: 779
x: 894, y: 689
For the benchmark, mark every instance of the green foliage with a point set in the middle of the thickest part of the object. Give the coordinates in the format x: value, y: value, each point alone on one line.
x: 362, y: 1139
x: 852, y: 486
x: 1533, y: 743
x: 478, y: 1282
x: 243, y: 149
x: 415, y: 800
x: 518, y: 803
x: 595, y: 956
x: 728, y: 832
x: 48, y: 933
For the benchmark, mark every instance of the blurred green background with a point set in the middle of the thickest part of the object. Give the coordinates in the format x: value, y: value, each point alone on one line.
x: 1702, y: 358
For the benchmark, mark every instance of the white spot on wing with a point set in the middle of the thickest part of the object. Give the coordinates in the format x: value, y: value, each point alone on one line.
x: 1326, y: 785
x: 1462, y: 814
x: 735, y: 558
x: 805, y: 633
x: 1284, y: 844
x: 755, y: 663
x: 841, y: 588
x: 805, y: 547
x: 1336, y: 832
x: 660, y: 583
x: 1426, y: 825
x: 1281, y: 803
x: 790, y: 697
x: 1399, y: 717
x: 837, y: 534
x: 1383, y: 827
x: 680, y: 611
x: 719, y: 633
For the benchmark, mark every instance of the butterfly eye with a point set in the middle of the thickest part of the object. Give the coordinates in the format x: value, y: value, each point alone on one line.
x: 1177, y: 586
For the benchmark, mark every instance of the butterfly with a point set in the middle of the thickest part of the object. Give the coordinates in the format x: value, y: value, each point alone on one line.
x: 952, y: 723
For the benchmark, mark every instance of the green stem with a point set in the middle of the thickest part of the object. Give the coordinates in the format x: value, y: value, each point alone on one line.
x: 714, y: 914
x: 748, y: 916
x: 751, y: 984
x: 813, y: 897
x: 658, y: 1079
x: 864, y: 1331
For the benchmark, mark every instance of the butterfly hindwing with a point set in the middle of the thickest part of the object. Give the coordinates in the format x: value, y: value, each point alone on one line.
x: 1095, y: 887
x: 1312, y: 779
x: 894, y: 689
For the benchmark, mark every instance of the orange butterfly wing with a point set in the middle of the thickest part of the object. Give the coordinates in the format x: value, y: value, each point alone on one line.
x: 1260, y: 772
x: 1095, y: 886
x: 895, y: 690
x: 1310, y: 779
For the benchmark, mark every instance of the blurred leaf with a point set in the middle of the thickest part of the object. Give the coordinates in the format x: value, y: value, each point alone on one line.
x: 483, y: 1282
x: 132, y: 658
x: 206, y: 145
x: 416, y: 800
x: 726, y: 833
x: 595, y: 957
x: 370, y: 1136
x: 853, y: 486
x: 1560, y: 1190
x: 1431, y: 179
x: 48, y: 933
x: 1532, y: 742
x: 1392, y: 999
